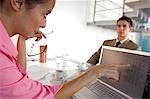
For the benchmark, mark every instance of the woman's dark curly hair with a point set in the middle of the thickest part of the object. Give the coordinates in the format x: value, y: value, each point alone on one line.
x: 1, y: 2
x: 30, y: 3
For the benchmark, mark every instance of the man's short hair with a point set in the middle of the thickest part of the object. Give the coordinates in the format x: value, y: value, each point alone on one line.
x: 126, y: 19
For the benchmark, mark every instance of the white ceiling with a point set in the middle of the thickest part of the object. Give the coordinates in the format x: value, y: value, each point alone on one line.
x: 107, y: 11
x: 113, y: 9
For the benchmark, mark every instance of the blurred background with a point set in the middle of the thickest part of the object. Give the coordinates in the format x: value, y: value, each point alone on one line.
x: 80, y: 26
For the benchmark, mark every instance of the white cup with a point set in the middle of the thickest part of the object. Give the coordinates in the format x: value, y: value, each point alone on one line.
x: 83, y: 66
x: 59, y: 75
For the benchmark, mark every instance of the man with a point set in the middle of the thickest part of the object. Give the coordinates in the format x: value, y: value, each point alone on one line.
x: 123, y: 27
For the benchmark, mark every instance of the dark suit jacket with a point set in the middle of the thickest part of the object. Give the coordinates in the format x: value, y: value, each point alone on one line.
x: 128, y: 44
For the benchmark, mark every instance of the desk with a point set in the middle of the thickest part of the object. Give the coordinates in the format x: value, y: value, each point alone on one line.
x: 46, y: 72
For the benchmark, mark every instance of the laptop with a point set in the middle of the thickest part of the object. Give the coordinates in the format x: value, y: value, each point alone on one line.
x: 132, y: 80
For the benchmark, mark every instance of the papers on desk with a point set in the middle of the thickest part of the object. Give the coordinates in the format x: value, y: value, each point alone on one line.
x: 46, y: 75
x: 39, y: 72
x: 46, y: 72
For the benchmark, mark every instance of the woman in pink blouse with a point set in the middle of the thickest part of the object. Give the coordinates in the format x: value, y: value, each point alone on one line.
x: 25, y: 17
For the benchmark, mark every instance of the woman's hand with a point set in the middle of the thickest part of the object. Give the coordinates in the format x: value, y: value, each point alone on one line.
x: 71, y: 87
x: 38, y: 36
x: 109, y: 71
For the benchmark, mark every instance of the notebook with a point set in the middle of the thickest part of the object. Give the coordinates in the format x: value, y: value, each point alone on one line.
x: 132, y: 80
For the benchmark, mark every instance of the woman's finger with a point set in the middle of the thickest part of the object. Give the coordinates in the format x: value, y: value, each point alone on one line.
x: 115, y: 65
x: 111, y: 74
x: 39, y: 34
x: 38, y: 38
x: 123, y: 65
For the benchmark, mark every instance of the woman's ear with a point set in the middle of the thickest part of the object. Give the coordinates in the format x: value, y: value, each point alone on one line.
x: 17, y: 5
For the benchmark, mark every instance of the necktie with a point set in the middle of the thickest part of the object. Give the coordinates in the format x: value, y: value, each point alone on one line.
x: 118, y: 44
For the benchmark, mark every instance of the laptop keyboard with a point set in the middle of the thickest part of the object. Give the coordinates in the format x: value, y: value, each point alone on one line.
x: 103, y: 91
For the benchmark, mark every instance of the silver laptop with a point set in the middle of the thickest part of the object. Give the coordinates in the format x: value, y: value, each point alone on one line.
x: 132, y: 80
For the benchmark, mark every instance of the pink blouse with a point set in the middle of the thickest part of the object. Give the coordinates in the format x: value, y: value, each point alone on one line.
x: 14, y: 82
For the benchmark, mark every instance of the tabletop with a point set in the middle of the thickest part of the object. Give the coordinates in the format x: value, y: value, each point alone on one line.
x: 47, y: 73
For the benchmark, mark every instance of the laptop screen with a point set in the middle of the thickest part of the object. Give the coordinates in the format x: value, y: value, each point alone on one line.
x: 132, y: 80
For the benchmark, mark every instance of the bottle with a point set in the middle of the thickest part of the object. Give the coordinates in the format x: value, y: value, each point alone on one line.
x: 43, y: 53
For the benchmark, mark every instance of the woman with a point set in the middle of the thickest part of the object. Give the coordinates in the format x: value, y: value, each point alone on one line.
x: 25, y: 17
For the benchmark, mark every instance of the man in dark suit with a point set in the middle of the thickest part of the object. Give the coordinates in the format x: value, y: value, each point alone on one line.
x: 123, y: 27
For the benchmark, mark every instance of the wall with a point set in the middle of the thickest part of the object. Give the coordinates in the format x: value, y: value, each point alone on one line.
x: 71, y: 35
